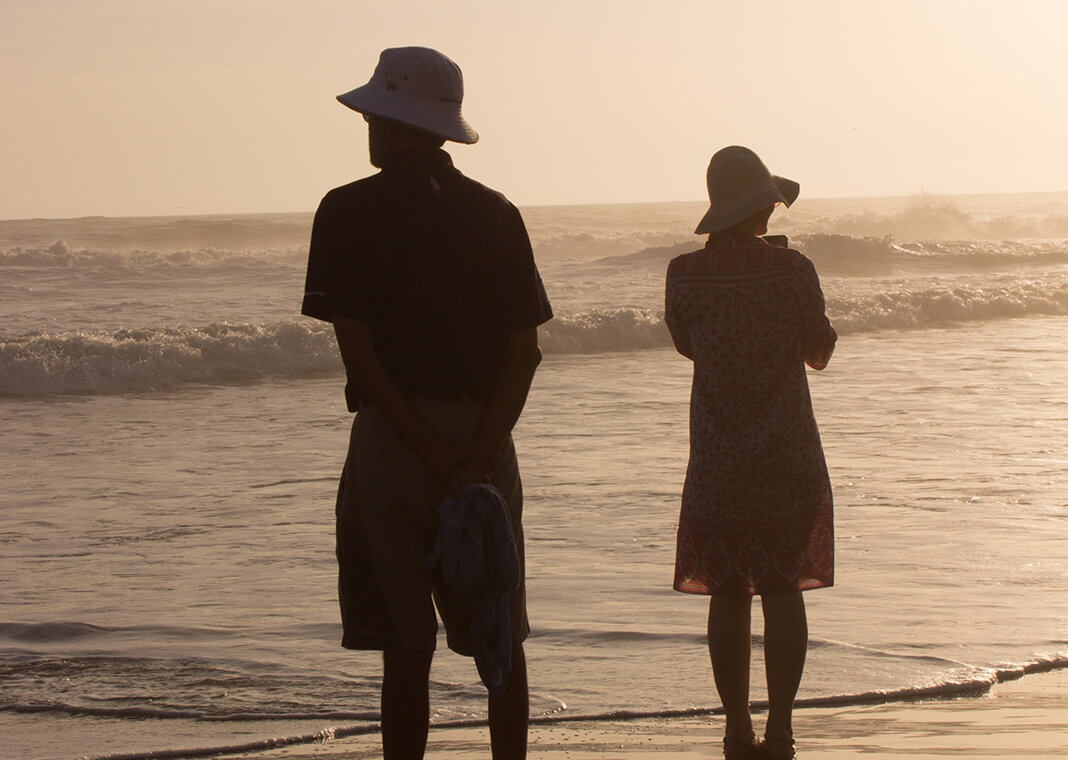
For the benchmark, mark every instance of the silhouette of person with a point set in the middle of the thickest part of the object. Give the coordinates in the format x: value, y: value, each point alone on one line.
x: 429, y: 280
x: 756, y: 512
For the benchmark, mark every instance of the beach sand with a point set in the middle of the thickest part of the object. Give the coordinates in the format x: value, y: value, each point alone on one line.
x: 1024, y: 718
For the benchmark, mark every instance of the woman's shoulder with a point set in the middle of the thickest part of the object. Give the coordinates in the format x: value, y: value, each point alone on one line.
x: 752, y: 255
x: 686, y: 262
x: 784, y: 255
x: 799, y: 260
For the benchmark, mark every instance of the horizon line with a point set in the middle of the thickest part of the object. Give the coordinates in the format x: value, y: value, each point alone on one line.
x: 899, y: 196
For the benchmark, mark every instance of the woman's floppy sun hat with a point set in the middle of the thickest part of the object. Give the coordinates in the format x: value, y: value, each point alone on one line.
x: 416, y: 86
x: 739, y: 185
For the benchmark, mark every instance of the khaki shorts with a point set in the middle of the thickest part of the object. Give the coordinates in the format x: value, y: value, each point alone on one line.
x: 387, y: 520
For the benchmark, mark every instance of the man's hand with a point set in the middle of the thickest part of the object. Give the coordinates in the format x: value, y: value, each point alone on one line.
x: 477, y: 467
x: 444, y: 461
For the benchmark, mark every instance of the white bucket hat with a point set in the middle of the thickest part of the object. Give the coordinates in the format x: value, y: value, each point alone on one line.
x: 739, y: 185
x: 415, y: 86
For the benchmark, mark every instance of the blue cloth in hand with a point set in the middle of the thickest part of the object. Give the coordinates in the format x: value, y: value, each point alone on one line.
x: 476, y: 553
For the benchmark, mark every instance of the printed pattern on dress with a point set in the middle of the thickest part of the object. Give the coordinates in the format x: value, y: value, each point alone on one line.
x: 757, y: 513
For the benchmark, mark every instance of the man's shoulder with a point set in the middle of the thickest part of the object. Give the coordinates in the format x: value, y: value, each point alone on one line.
x: 352, y: 192
x: 484, y: 196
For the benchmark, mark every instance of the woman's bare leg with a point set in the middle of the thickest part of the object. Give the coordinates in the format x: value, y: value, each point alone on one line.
x: 785, y: 647
x: 729, y: 646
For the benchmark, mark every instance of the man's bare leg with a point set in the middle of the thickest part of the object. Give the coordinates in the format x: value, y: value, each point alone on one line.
x: 509, y: 712
x: 729, y: 646
x: 405, y: 703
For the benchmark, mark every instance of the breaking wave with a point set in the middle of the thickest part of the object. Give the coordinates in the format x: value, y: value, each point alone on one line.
x: 930, y: 217
x: 899, y: 306
x: 837, y: 255
x: 160, y: 359
x: 60, y: 255
x: 909, y: 306
x: 154, y: 359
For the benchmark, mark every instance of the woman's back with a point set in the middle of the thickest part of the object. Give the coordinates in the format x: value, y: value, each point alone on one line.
x: 743, y: 307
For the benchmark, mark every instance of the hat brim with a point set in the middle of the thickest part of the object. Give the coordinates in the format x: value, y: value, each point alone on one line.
x: 781, y: 190
x: 445, y: 121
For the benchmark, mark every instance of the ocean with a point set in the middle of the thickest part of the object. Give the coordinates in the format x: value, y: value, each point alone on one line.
x: 173, y: 430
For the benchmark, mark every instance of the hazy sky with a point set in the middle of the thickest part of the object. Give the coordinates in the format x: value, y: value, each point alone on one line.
x: 129, y: 107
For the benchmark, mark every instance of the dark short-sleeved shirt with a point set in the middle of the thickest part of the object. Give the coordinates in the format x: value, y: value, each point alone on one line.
x: 438, y: 266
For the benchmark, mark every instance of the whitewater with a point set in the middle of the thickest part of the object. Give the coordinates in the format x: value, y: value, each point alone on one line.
x: 173, y: 431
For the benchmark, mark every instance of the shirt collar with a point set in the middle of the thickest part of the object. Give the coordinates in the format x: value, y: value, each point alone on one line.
x: 419, y: 161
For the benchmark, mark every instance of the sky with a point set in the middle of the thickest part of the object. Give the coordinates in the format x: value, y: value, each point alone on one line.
x: 158, y: 107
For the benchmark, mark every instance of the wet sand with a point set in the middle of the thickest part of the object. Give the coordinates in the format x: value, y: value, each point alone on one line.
x: 1025, y: 718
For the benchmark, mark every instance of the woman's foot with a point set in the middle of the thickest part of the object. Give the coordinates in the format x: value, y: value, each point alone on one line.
x: 741, y: 748
x: 778, y: 748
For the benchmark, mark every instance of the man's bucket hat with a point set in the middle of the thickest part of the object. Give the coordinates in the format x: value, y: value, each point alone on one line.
x: 739, y: 185
x: 416, y: 86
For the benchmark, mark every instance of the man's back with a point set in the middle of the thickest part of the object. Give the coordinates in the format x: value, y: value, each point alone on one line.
x: 437, y: 265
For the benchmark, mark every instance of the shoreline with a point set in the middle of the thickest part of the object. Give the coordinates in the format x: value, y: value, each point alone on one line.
x: 1017, y: 718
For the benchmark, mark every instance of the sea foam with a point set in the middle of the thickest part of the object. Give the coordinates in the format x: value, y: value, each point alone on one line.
x: 160, y: 359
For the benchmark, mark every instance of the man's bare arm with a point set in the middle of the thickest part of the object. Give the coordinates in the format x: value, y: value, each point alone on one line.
x: 505, y: 404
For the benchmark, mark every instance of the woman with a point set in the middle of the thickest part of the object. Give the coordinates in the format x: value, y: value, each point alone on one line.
x: 756, y: 506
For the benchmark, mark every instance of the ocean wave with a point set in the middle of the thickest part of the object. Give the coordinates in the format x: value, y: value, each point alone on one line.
x: 844, y: 255
x: 125, y: 686
x: 153, y: 359
x: 584, y: 231
x: 164, y: 713
x: 838, y: 255
x: 605, y: 244
x: 903, y: 306
x: 60, y: 255
x: 930, y: 218
x: 318, y: 737
x: 38, y: 633
x: 835, y: 255
x: 897, y: 306
x: 163, y: 233
x: 162, y: 359
x: 598, y: 330
x: 75, y: 632
x: 975, y: 681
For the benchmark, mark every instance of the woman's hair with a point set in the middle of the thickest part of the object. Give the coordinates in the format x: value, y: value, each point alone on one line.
x: 760, y: 216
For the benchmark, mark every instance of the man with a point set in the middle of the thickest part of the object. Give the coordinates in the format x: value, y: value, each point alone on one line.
x: 429, y: 280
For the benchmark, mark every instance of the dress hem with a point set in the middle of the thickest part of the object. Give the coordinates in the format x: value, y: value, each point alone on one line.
x: 702, y: 590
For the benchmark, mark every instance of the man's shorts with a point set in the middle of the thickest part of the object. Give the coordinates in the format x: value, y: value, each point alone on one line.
x: 387, y: 520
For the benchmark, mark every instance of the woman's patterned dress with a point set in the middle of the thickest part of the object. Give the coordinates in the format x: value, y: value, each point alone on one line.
x: 757, y: 513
